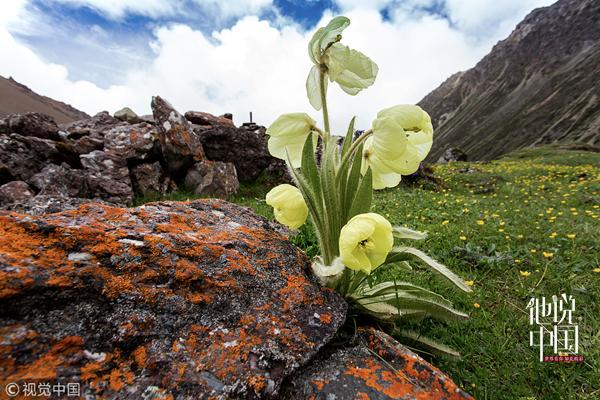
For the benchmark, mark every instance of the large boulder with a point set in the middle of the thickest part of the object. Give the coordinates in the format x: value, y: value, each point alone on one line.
x: 212, y: 178
x: 107, y: 177
x: 60, y: 180
x: 95, y: 126
x: 204, y: 118
x: 245, y: 148
x: 179, y: 144
x: 132, y: 142
x: 375, y: 367
x: 149, y: 179
x: 15, y: 192
x: 49, y: 204
x: 166, y: 301
x: 30, y: 124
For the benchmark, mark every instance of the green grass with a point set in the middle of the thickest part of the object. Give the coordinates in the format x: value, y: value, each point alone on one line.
x: 527, y: 202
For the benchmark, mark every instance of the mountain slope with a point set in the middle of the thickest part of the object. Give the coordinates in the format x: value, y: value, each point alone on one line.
x: 540, y: 85
x: 18, y: 98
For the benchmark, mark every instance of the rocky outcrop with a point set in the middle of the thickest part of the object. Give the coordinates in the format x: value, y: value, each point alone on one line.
x: 30, y: 124
x: 15, y: 192
x: 107, y: 177
x: 538, y: 86
x: 375, y: 367
x: 126, y: 114
x: 133, y: 142
x: 452, y: 154
x: 165, y: 301
x: 150, y: 179
x: 179, y: 143
x: 59, y: 180
x: 206, y: 119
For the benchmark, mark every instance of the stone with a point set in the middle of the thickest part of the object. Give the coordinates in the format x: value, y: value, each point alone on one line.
x: 170, y: 300
x: 246, y: 149
x: 95, y: 126
x: 227, y: 116
x: 212, y: 178
x: 31, y: 124
x: 5, y: 175
x: 126, y: 114
x: 15, y: 192
x: 149, y: 179
x: 204, y: 118
x: 87, y: 144
x: 179, y: 144
x: 107, y: 177
x: 452, y: 154
x: 49, y: 204
x: 376, y: 367
x: 60, y: 180
x: 132, y: 142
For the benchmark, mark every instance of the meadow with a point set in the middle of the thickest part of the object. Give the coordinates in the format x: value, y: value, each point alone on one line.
x: 526, y: 225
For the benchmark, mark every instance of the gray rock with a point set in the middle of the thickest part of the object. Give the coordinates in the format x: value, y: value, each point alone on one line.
x: 126, y: 114
x: 132, y: 142
x: 107, y: 177
x: 15, y: 192
x: 212, y: 178
x: 49, y: 204
x: 204, y: 118
x: 179, y: 144
x: 30, y: 124
x: 94, y: 126
x: 149, y: 179
x: 60, y: 180
x: 452, y: 154
x: 179, y: 300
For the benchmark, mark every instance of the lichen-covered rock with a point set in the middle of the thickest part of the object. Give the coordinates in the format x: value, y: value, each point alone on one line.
x: 126, y: 114
x: 204, y: 118
x: 175, y: 300
x: 212, y: 178
x: 87, y: 144
x: 376, y: 367
x: 49, y: 204
x: 149, y: 178
x: 107, y: 177
x: 94, y: 126
x: 15, y: 192
x: 245, y: 148
x: 59, y: 180
x: 179, y: 144
x: 132, y: 142
x: 452, y: 154
x: 30, y: 124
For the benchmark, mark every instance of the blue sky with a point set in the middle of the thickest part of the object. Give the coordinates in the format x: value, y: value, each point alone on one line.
x: 240, y: 55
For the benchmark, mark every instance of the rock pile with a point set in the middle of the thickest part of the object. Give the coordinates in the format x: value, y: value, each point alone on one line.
x: 114, y: 159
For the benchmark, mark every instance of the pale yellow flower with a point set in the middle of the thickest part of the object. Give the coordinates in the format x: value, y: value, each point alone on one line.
x: 289, y: 133
x: 365, y: 242
x: 525, y: 273
x: 469, y: 283
x: 402, y: 137
x: 288, y: 205
x: 476, y: 305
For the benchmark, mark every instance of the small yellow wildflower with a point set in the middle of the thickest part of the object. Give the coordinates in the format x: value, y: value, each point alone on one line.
x: 476, y: 305
x: 571, y: 236
x: 517, y: 261
x: 524, y: 273
x: 597, y: 270
x: 463, y: 238
x: 519, y: 236
x: 445, y: 222
x: 480, y: 222
x: 533, y: 251
x: 548, y: 254
x: 469, y: 283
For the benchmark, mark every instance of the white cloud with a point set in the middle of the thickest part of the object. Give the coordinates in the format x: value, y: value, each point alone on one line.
x: 256, y: 66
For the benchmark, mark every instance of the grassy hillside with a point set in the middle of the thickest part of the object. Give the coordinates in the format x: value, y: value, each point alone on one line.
x: 523, y: 226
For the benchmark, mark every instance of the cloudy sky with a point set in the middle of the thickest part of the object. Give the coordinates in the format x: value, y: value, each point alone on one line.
x: 241, y: 55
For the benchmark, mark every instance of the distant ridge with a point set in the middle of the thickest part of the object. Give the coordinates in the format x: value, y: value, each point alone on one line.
x: 18, y: 98
x: 540, y: 85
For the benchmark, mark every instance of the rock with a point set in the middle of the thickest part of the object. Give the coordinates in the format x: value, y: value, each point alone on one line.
x: 204, y: 118
x: 126, y: 114
x: 149, y: 179
x: 60, y: 180
x: 31, y: 124
x: 132, y: 142
x: 227, y: 116
x: 376, y: 367
x: 49, y: 204
x: 15, y: 192
x: 5, y: 175
x: 180, y: 145
x: 167, y: 301
x: 25, y: 156
x: 87, y: 144
x: 107, y: 177
x: 452, y: 154
x: 148, y: 118
x: 212, y: 178
x: 95, y: 126
x: 246, y: 149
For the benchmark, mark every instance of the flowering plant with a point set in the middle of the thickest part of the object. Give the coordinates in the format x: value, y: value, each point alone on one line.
x: 356, y: 244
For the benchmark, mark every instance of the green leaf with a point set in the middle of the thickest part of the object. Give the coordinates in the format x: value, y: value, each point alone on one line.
x: 309, y: 165
x: 436, y: 266
x: 348, y: 138
x: 362, y: 201
x: 424, y: 343
x: 330, y: 194
x: 353, y: 179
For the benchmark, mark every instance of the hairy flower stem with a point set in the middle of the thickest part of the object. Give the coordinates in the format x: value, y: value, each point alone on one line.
x: 322, y: 83
x: 350, y: 154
